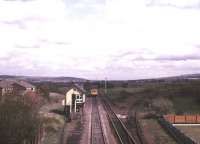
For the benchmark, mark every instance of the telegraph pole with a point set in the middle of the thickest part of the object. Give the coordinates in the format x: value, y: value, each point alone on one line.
x: 105, y: 85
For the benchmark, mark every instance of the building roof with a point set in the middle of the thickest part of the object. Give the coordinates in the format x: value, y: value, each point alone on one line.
x: 25, y: 84
x: 8, y: 83
x: 80, y: 88
x: 74, y: 86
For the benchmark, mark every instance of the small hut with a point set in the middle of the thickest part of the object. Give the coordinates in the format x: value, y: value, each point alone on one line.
x: 74, y: 98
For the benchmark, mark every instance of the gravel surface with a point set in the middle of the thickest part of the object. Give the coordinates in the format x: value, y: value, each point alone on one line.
x: 108, y: 132
x: 191, y: 131
x: 154, y: 133
x: 74, y: 133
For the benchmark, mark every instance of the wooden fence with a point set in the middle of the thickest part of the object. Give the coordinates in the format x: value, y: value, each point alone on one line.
x: 182, y: 119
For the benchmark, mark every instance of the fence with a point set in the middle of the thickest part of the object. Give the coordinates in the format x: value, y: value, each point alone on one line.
x: 175, y: 133
x: 183, y: 119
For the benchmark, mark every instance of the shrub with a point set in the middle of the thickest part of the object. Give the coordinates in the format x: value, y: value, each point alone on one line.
x: 18, y: 121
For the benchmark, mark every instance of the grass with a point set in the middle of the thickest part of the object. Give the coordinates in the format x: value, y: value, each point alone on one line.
x: 53, y: 123
x: 53, y: 128
x: 119, y: 93
x: 188, y: 105
x: 184, y: 96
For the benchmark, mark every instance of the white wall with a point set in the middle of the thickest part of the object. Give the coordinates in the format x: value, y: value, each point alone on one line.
x: 84, y: 98
x: 68, y: 97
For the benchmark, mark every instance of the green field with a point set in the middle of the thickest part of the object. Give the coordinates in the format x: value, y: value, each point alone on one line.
x: 181, y: 97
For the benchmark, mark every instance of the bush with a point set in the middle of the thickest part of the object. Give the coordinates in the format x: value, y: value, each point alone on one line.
x: 18, y: 121
x: 162, y: 105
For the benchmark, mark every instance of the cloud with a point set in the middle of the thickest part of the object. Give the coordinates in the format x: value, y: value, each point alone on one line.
x: 122, y: 39
x: 184, y: 4
x: 197, y: 46
x: 169, y: 58
x: 82, y: 8
x: 179, y: 58
x: 27, y: 46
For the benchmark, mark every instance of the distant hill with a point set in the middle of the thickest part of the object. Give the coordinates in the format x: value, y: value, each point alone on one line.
x: 44, y: 79
x: 191, y: 76
x: 185, y: 76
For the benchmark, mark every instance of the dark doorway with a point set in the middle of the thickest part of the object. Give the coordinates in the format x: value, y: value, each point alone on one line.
x: 73, y: 102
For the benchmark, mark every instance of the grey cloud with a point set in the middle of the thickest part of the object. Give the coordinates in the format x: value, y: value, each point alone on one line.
x: 140, y: 56
x: 16, y: 62
x: 39, y: 42
x: 58, y: 42
x: 169, y: 58
x: 125, y: 54
x: 147, y: 69
x: 11, y: 55
x: 54, y: 42
x: 35, y: 19
x: 19, y: 23
x: 61, y: 43
x: 5, y: 58
x: 179, y: 58
x: 84, y: 1
x: 20, y: 0
x: 33, y: 46
x: 24, y: 65
x: 167, y: 3
x: 22, y: 23
x: 197, y: 46
x: 81, y: 8
x: 139, y: 52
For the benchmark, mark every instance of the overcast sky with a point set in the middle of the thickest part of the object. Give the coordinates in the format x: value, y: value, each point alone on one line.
x: 118, y: 39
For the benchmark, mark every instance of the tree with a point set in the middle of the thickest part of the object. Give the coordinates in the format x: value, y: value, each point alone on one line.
x: 162, y: 105
x: 44, y: 90
x: 125, y: 84
x: 18, y: 121
x: 87, y: 85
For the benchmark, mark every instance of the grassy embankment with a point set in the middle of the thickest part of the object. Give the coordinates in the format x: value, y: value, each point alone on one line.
x: 53, y: 120
x: 53, y: 127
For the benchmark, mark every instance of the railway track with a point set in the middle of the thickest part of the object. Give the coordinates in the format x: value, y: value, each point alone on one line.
x: 122, y: 133
x: 97, y: 136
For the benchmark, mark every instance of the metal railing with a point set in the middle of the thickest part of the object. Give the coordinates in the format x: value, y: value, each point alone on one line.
x: 120, y: 129
x: 79, y: 100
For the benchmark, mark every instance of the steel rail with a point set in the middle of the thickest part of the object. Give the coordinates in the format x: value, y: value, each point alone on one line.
x: 123, y: 135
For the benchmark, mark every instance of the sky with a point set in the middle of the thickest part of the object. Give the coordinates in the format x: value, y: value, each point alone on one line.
x: 94, y: 39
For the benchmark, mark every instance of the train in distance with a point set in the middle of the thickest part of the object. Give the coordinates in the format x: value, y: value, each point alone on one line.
x: 94, y: 92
